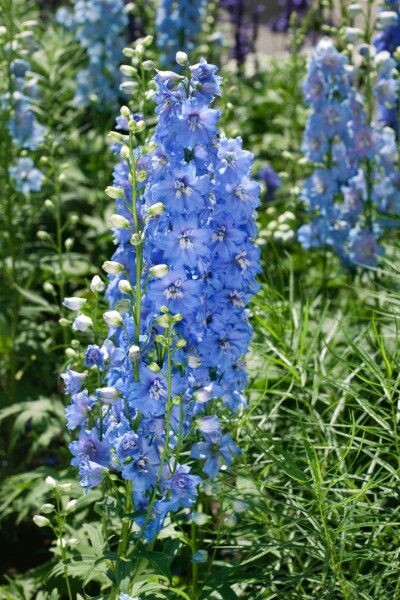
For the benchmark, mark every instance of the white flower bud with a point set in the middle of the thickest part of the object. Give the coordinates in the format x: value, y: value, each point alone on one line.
x: 107, y: 394
x: 49, y: 204
x: 125, y: 112
x: 124, y: 286
x: 119, y: 222
x: 64, y: 322
x: 352, y: 34
x: 47, y: 508
x: 147, y: 41
x: 114, y: 192
x: 156, y: 209
x: 71, y: 505
x: 140, y: 126
x: 82, y: 323
x: 182, y: 58
x: 70, y: 353
x: 148, y: 65
x: 112, y: 318
x: 69, y: 242
x: 128, y: 71
x: 134, y: 353
x: 114, y: 136
x: 65, y: 487
x: 74, y: 303
x: 97, y: 285
x: 41, y: 521
x: 141, y: 175
x: 129, y: 86
x: 154, y: 367
x: 137, y: 239
x: 125, y: 152
x: 194, y: 362
x: 112, y: 267
x: 159, y: 271
x: 354, y: 10
x: 50, y: 482
x: 204, y: 395
x: 139, y: 48
x: 72, y: 542
x: 61, y: 543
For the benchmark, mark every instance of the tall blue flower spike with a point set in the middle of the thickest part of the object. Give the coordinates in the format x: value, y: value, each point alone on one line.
x: 195, y: 208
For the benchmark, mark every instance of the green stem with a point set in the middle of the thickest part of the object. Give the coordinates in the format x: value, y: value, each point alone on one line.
x: 195, y: 566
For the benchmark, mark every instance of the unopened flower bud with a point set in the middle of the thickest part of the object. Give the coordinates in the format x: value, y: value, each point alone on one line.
x: 82, y: 323
x: 123, y: 306
x: 148, y: 65
x: 182, y: 58
x: 159, y: 271
x: 65, y: 487
x: 156, y: 209
x: 125, y: 112
x: 128, y: 71
x: 137, y: 239
x: 180, y: 344
x: 124, y: 286
x: 147, y: 41
x: 119, y: 222
x: 43, y: 235
x: 194, y: 362
x: 112, y: 318
x: 204, y: 395
x: 114, y: 192
x: 141, y: 175
x: 352, y: 34
x: 41, y: 521
x: 163, y: 321
x: 49, y: 204
x: 107, y: 394
x: 47, y: 508
x: 134, y: 353
x: 64, y: 322
x: 129, y: 87
x: 49, y: 288
x: 114, y: 136
x: 50, y: 482
x: 97, y: 285
x: 128, y: 52
x: 140, y: 126
x: 112, y: 267
x: 125, y: 152
x: 71, y: 505
x: 354, y: 10
x: 72, y: 542
x: 154, y: 367
x: 139, y: 48
x: 74, y: 303
x: 70, y: 353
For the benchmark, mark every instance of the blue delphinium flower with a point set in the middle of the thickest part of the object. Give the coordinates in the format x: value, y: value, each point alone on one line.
x: 178, y: 25
x: 289, y: 7
x: 99, y: 27
x: 196, y: 209
x: 23, y: 126
x: 355, y: 175
x: 26, y: 177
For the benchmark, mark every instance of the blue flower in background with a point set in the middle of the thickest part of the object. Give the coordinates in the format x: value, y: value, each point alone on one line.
x: 178, y: 25
x: 99, y: 27
x: 27, y: 178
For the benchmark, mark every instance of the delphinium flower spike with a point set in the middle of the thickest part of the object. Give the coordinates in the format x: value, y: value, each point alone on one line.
x: 171, y: 369
x: 99, y: 27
